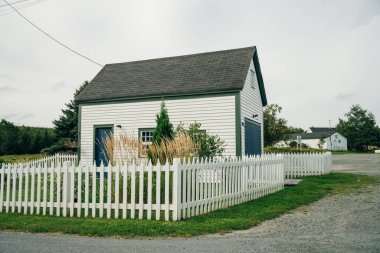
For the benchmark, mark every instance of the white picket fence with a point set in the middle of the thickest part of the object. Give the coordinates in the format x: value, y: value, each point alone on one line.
x: 53, y: 160
x: 141, y: 191
x: 208, y: 186
x: 307, y: 164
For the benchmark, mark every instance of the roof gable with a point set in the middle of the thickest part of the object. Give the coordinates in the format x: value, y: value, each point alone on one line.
x: 213, y: 72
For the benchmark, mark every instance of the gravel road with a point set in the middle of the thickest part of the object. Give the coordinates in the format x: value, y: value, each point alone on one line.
x: 339, y: 223
x: 367, y: 164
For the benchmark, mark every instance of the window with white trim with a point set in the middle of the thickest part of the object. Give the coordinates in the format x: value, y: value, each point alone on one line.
x: 146, y: 138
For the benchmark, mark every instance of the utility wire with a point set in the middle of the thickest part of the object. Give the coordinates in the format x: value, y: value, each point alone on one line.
x: 20, y: 1
x: 51, y: 37
x: 9, y: 11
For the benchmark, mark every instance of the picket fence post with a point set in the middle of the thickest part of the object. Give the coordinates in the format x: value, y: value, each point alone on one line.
x: 176, y: 189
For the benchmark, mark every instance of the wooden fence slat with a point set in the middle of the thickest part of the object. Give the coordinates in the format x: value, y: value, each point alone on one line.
x: 26, y: 190
x: 167, y: 168
x: 45, y: 190
x: 93, y: 198
x: 72, y: 189
x: 197, y: 193
x: 158, y: 190
x: 7, y: 201
x: 58, y: 209
x: 149, y: 201
x: 141, y: 191
x: 38, y: 206
x: 101, y: 190
x: 133, y: 190
x: 79, y: 193
x: 14, y: 173
x: 86, y: 190
x: 109, y: 190
x: 3, y: 166
x: 125, y: 190
x: 193, y: 191
x: 32, y: 190
x: 184, y: 202
x: 65, y: 191
x: 20, y: 188
x: 51, y: 192
x: 116, y: 202
x: 188, y: 197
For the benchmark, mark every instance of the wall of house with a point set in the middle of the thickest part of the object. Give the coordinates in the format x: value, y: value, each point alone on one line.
x: 251, y: 103
x: 312, y: 143
x: 338, y: 142
x: 216, y: 113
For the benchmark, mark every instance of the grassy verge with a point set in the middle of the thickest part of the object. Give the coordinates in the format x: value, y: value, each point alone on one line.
x: 19, y: 158
x: 234, y: 218
x: 347, y: 152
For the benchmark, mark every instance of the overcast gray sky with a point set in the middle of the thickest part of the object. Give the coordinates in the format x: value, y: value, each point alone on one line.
x: 317, y: 57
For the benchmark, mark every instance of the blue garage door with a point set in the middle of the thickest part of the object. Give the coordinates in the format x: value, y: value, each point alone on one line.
x: 252, y: 138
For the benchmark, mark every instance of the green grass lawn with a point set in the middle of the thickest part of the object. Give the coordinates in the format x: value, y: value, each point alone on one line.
x: 347, y: 152
x: 237, y: 217
x: 19, y: 158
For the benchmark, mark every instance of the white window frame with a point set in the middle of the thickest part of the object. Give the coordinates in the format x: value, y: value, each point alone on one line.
x: 145, y: 143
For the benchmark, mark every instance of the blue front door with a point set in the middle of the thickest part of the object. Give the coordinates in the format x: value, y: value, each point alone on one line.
x: 252, y: 138
x: 100, y: 149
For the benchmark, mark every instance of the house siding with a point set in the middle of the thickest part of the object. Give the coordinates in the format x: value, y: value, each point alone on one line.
x: 334, y: 144
x: 335, y: 138
x: 215, y: 113
x: 251, y: 104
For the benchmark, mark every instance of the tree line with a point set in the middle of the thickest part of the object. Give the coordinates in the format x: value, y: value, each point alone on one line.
x: 24, y: 139
x: 358, y: 126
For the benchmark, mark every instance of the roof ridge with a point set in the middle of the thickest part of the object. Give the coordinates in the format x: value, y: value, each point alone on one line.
x: 184, y: 55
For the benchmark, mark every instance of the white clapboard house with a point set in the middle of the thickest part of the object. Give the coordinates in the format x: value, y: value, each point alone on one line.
x: 331, y: 139
x: 222, y: 90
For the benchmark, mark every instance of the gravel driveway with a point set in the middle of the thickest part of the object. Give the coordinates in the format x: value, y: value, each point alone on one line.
x: 367, y: 164
x: 339, y: 223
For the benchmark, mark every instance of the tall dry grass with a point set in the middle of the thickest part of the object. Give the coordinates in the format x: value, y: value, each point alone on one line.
x: 181, y: 146
x: 127, y: 148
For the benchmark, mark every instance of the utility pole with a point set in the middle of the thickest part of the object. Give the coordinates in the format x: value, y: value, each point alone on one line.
x: 330, y: 134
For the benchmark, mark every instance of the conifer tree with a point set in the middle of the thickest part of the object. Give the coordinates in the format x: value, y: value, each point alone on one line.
x: 164, y: 128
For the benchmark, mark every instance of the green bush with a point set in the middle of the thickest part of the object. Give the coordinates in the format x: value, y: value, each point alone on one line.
x: 209, y: 145
x: 59, y: 146
x: 272, y: 149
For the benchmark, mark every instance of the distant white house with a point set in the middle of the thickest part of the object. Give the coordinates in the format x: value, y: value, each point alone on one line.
x: 331, y: 139
x: 223, y: 90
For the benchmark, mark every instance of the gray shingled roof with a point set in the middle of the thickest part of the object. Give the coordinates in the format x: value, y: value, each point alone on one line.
x: 211, y: 72
x: 307, y: 136
x: 322, y: 129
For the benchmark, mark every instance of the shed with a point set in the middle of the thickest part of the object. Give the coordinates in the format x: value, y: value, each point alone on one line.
x: 222, y: 90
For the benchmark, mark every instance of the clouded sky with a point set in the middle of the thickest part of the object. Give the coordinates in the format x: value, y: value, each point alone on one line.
x: 317, y: 57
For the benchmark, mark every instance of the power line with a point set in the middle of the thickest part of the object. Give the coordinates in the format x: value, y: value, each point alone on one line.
x: 21, y: 7
x: 51, y: 37
x: 20, y: 1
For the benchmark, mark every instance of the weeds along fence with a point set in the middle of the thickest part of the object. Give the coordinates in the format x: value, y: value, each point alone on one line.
x: 307, y: 164
x: 161, y: 192
x: 52, y: 161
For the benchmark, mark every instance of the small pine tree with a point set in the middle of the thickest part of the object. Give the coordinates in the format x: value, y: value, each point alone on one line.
x: 164, y: 128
